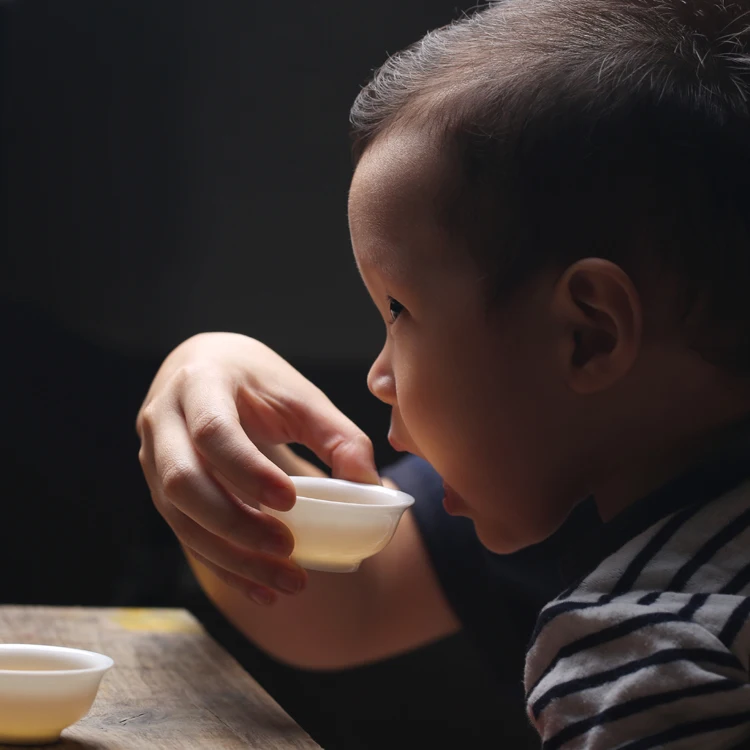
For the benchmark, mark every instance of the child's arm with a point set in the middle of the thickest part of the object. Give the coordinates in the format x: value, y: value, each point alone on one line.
x: 391, y: 605
x: 209, y: 395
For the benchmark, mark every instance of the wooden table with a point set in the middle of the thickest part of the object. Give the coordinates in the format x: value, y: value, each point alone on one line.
x: 172, y: 687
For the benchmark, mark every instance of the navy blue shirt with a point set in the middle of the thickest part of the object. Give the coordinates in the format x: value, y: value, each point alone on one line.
x: 496, y: 597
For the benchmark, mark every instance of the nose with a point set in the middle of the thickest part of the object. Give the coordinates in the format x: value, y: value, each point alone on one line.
x: 380, y: 379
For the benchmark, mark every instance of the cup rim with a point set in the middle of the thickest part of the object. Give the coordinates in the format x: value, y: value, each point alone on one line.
x: 105, y: 662
x: 402, y: 500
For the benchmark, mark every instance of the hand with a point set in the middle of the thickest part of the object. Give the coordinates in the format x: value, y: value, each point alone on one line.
x: 220, y: 405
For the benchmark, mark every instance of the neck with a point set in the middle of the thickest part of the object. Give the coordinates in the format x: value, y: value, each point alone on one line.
x: 657, y: 456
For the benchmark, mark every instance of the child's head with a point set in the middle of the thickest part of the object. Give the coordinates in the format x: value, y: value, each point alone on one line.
x: 551, y: 208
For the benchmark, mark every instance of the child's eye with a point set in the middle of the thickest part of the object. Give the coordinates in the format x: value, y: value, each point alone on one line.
x: 396, y: 308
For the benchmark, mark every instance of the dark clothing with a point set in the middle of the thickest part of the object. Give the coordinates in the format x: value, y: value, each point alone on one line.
x: 496, y: 597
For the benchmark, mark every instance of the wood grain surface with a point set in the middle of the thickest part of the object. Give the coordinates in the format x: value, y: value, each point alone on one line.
x: 172, y: 687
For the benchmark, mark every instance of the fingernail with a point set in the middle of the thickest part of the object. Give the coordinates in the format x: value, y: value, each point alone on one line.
x: 277, y: 545
x: 289, y: 581
x: 261, y: 596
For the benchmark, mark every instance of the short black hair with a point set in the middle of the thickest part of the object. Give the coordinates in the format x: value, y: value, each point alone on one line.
x: 609, y: 128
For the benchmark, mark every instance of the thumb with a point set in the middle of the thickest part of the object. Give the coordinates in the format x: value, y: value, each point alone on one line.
x: 353, y: 459
x: 336, y: 440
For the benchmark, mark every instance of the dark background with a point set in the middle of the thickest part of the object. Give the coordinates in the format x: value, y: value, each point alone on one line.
x: 168, y: 168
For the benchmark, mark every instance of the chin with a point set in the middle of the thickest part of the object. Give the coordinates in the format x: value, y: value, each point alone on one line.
x: 503, y: 538
x: 499, y: 543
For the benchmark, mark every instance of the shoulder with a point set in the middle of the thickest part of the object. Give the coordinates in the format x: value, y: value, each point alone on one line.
x: 655, y: 642
x: 612, y: 672
x: 700, y: 547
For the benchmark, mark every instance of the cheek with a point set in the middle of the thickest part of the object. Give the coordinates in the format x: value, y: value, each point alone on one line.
x: 481, y: 421
x: 452, y: 400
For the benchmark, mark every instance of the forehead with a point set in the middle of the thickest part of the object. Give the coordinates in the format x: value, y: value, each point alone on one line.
x: 396, y: 200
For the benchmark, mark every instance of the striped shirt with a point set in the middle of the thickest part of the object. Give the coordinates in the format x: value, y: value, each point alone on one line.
x: 652, y: 648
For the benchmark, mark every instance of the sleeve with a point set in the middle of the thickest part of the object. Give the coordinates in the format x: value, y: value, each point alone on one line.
x: 610, y: 674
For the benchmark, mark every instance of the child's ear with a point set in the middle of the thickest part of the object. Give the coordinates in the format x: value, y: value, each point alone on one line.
x: 600, y: 311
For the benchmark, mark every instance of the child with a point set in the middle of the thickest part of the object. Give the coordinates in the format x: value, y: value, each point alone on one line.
x: 551, y: 211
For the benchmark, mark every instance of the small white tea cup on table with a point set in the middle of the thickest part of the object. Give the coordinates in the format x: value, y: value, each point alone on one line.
x: 45, y: 689
x: 336, y: 524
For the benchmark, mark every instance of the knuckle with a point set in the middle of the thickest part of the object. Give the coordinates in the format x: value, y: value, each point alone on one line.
x: 362, y: 442
x: 143, y: 457
x: 146, y: 420
x: 354, y: 445
x: 185, y: 375
x: 194, y: 373
x: 178, y: 478
x: 188, y: 372
x: 208, y: 427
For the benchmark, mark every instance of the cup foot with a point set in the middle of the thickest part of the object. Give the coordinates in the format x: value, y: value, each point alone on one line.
x: 14, y: 739
x: 329, y: 567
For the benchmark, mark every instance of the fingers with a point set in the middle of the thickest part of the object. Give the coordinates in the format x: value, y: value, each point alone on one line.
x: 334, y: 438
x: 282, y: 407
x: 259, y: 594
x: 214, y: 428
x: 353, y: 458
x: 249, y: 546
x: 247, y: 571
x: 181, y: 478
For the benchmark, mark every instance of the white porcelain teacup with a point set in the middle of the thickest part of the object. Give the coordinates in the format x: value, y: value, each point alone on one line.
x: 337, y: 524
x: 44, y: 689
